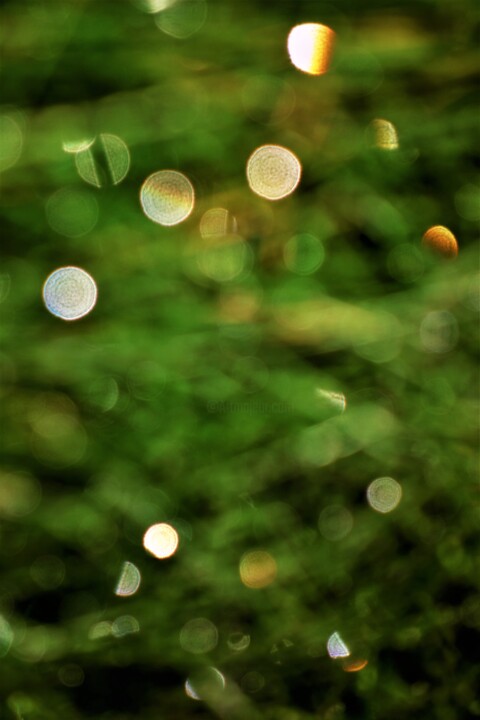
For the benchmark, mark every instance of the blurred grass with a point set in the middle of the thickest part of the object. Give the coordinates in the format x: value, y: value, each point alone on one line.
x: 189, y: 401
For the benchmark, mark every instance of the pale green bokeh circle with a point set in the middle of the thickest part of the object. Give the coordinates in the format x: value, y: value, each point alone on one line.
x: 303, y: 254
x: 115, y: 161
x: 182, y: 18
x: 72, y: 213
x: 11, y: 142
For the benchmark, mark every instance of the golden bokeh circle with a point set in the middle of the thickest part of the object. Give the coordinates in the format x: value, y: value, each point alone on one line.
x: 257, y: 569
x: 441, y: 240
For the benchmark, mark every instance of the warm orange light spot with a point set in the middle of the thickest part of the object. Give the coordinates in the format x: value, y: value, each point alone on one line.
x: 257, y: 569
x: 441, y: 240
x: 355, y: 665
x: 310, y: 47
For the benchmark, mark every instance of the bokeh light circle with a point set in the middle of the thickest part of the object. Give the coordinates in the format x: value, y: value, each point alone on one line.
x: 6, y: 636
x: 467, y: 202
x: 106, y: 161
x: 216, y: 223
x: 182, y: 18
x: 252, y: 682
x: 310, y: 47
x: 153, y: 6
x: 439, y: 331
x: 385, y: 135
x: 384, y: 494
x: 11, y: 142
x: 205, y: 684
x: 336, y: 647
x: 238, y: 641
x: 257, y: 569
x: 273, y: 172
x: 167, y: 197
x: 161, y: 540
x: 303, y: 254
x: 334, y: 401
x: 355, y: 664
x: 441, y: 240
x: 71, y: 675
x: 129, y: 580
x: 335, y: 522
x: 223, y: 260
x: 20, y: 494
x: 72, y: 213
x: 76, y: 146
x: 198, y: 636
x: 70, y: 293
x: 125, y: 625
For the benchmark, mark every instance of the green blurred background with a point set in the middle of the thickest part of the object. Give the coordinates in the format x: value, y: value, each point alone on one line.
x: 197, y: 392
